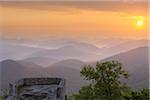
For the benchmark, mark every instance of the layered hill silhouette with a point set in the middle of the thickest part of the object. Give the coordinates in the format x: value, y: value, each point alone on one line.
x: 71, y: 52
x: 86, y: 52
x: 16, y: 51
x: 135, y: 61
x: 14, y: 70
x: 53, y: 51
x: 42, y: 61
x: 123, y: 47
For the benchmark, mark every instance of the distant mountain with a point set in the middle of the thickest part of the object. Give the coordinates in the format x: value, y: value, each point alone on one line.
x: 87, y: 47
x: 16, y: 51
x: 72, y: 76
x: 82, y: 51
x: 136, y: 63
x: 123, y: 47
x: 56, y: 50
x: 28, y: 64
x: 109, y: 42
x: 42, y: 61
x: 72, y: 63
x: 132, y: 57
x: 69, y: 69
x: 12, y: 70
x: 44, y: 43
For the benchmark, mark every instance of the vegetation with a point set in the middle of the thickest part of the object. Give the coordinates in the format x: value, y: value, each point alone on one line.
x: 137, y: 95
x: 106, y: 85
x: 3, y: 97
x: 4, y: 94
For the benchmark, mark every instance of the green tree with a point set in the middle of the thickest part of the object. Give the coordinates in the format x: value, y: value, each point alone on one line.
x: 86, y: 93
x: 137, y: 95
x: 105, y: 81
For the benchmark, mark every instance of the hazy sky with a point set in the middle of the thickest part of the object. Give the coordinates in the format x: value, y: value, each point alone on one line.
x: 74, y: 19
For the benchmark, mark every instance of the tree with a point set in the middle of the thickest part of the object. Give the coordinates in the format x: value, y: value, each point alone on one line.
x: 105, y: 81
x: 85, y: 93
x: 137, y: 95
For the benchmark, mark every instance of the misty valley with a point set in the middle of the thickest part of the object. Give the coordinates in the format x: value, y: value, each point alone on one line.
x: 20, y: 59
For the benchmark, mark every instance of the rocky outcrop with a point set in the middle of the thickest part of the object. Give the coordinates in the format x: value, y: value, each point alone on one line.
x: 38, y: 89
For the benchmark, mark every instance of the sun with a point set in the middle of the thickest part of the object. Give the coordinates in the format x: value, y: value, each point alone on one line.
x: 139, y: 23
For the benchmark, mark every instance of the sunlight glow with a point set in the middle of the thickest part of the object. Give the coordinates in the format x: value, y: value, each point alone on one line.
x: 140, y: 23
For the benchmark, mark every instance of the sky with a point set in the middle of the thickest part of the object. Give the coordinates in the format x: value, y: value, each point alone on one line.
x: 74, y: 19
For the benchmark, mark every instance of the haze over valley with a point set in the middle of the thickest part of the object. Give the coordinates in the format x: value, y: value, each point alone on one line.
x: 56, y: 38
x: 27, y: 59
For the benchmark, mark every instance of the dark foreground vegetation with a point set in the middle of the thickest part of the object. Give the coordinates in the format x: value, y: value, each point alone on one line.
x: 105, y: 84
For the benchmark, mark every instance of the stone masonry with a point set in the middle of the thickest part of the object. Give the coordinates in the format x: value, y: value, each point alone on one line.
x: 37, y: 89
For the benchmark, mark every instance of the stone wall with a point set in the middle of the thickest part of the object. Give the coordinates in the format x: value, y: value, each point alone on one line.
x: 39, y: 81
x: 55, y: 85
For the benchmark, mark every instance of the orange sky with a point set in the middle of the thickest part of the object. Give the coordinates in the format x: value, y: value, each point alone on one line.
x: 82, y: 20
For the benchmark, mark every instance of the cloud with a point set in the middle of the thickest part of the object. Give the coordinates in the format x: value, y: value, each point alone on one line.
x: 136, y: 7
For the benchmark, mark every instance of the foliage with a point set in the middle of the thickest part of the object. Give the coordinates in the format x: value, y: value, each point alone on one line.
x: 105, y: 81
x: 4, y: 94
x: 86, y: 93
x: 3, y: 97
x: 137, y: 95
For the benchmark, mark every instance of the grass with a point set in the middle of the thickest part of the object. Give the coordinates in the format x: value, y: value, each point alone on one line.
x: 1, y: 98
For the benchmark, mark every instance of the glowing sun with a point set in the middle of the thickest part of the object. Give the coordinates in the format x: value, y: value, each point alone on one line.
x: 139, y: 23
